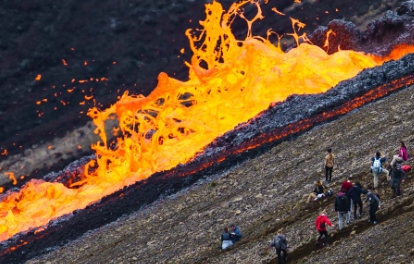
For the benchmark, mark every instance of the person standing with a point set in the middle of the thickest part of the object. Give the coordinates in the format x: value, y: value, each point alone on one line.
x: 397, y: 175
x: 280, y: 243
x: 355, y: 195
x: 377, y: 167
x: 226, y: 239
x: 236, y: 235
x: 342, y: 207
x: 346, y: 186
x: 329, y: 164
x: 320, y: 223
x: 374, y: 204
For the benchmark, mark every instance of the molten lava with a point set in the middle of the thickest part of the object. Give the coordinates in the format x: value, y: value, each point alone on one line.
x: 230, y: 82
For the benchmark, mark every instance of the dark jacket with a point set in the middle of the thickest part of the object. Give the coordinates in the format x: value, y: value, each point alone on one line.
x: 342, y: 203
x: 319, y: 189
x: 373, y: 199
x: 225, y: 236
x: 283, y: 244
x: 398, y: 174
x: 355, y: 193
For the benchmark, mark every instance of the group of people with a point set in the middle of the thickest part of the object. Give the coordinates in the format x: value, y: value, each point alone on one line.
x: 395, y: 172
x: 348, y: 198
x: 349, y: 195
x: 229, y: 238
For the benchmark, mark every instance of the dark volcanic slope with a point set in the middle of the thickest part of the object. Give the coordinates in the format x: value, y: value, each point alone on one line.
x: 266, y: 193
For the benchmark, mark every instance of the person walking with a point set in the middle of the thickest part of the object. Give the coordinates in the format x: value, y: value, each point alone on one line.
x: 329, y: 164
x: 342, y: 207
x: 355, y: 196
x: 280, y: 243
x: 346, y: 186
x: 374, y: 205
x: 397, y: 175
x: 320, y: 223
x: 377, y: 167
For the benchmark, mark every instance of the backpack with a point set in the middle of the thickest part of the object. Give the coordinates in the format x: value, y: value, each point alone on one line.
x: 376, y: 165
x: 343, y: 201
x: 279, y: 242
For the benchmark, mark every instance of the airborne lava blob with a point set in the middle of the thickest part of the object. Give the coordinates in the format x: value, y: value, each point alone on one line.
x: 230, y: 81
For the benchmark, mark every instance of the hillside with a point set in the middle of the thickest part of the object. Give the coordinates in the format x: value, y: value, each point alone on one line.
x: 266, y: 193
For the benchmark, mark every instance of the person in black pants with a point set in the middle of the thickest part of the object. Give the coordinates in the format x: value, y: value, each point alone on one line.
x: 280, y: 243
x: 329, y: 163
x: 355, y: 195
x: 374, y: 204
x: 397, y: 175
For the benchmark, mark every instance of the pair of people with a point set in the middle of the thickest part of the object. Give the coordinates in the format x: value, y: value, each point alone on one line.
x: 228, y: 239
x: 279, y: 242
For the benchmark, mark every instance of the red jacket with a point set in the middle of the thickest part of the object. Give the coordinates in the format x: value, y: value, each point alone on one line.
x: 346, y: 186
x: 322, y: 219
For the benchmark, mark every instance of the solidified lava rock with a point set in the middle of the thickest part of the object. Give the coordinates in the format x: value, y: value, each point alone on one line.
x: 393, y: 29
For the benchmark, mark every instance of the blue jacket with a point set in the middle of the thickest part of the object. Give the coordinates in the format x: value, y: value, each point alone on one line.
x: 355, y: 193
x: 236, y: 234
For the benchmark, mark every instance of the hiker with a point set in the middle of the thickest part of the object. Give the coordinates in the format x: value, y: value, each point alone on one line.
x: 329, y: 164
x: 321, y: 221
x: 401, y: 156
x: 377, y: 167
x: 342, y: 207
x: 236, y: 235
x: 280, y: 243
x: 397, y: 175
x: 226, y: 239
x: 346, y: 186
x: 318, y: 192
x: 374, y: 204
x: 355, y: 197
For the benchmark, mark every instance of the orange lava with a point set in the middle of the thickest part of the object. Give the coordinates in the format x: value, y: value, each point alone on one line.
x: 230, y: 81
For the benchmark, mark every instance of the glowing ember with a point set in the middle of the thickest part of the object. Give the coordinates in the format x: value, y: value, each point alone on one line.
x: 230, y: 81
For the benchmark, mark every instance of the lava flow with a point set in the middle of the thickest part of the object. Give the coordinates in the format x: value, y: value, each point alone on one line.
x: 230, y: 82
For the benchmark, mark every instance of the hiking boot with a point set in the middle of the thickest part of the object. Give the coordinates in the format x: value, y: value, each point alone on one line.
x: 348, y: 222
x: 369, y: 220
x: 375, y: 222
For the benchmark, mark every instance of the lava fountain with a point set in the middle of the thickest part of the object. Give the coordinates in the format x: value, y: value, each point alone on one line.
x: 235, y: 87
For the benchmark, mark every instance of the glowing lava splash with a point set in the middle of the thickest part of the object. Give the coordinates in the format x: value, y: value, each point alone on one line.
x: 230, y: 81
